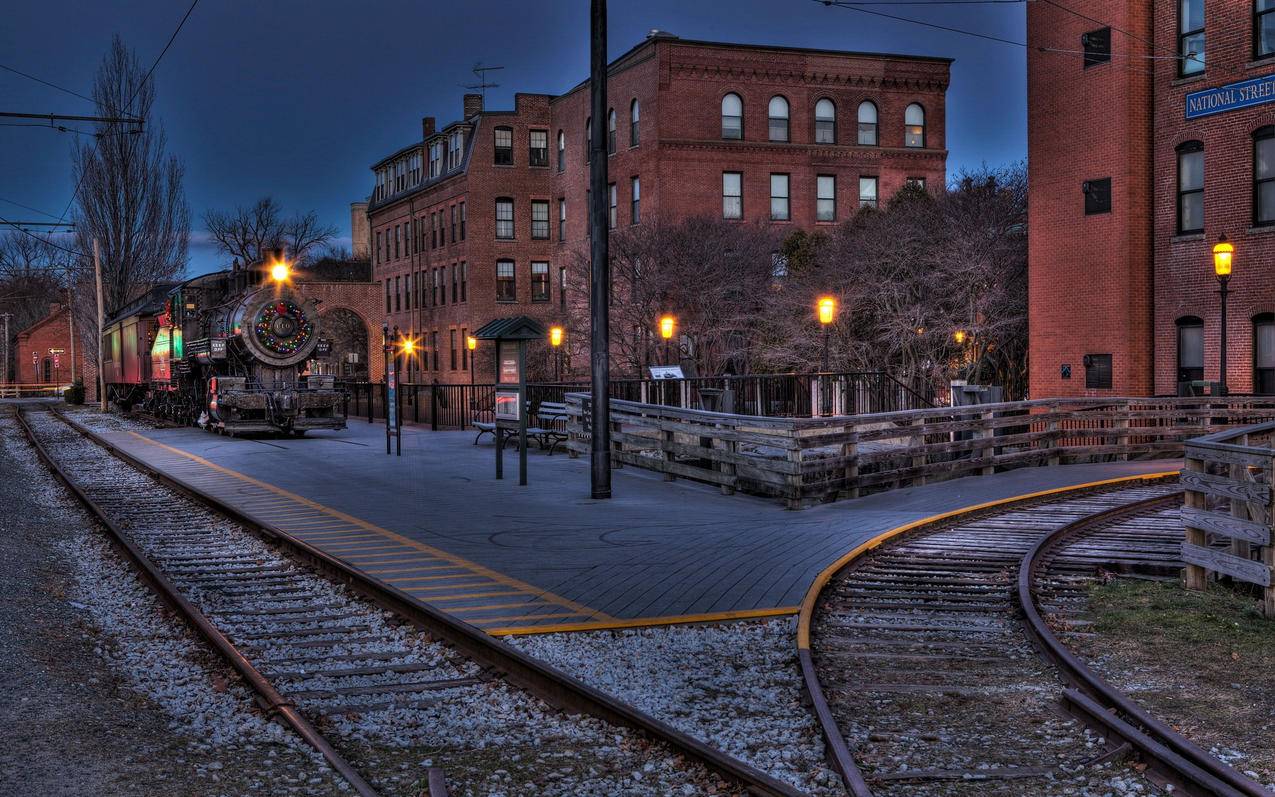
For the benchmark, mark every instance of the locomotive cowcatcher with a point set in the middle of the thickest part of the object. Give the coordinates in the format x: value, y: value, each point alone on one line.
x: 226, y: 351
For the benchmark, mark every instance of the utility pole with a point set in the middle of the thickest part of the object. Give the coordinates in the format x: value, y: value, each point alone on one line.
x: 101, y: 377
x: 600, y: 289
x: 4, y: 376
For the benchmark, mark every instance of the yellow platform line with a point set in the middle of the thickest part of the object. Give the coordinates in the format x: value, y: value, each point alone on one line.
x: 398, y: 581
x: 479, y: 621
x: 527, y: 604
x: 808, y: 603
x: 353, y: 547
x: 382, y: 571
x: 335, y: 533
x: 644, y: 622
x: 466, y: 596
x: 438, y: 587
x: 437, y: 553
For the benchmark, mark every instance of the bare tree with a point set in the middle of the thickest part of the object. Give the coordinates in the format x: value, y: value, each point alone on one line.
x: 248, y: 233
x: 131, y: 199
x: 32, y: 274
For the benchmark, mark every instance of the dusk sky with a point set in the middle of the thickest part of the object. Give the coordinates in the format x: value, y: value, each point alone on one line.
x: 296, y: 100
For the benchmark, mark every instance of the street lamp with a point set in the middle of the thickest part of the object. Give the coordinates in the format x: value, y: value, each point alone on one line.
x: 668, y: 326
x: 959, y: 336
x: 280, y: 271
x: 827, y: 311
x: 471, y: 343
x: 555, y: 340
x: 1223, y: 252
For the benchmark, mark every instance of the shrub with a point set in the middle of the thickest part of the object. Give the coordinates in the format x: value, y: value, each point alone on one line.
x: 75, y: 393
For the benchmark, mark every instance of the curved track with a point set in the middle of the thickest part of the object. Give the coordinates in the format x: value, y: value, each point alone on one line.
x: 320, y: 640
x: 924, y: 651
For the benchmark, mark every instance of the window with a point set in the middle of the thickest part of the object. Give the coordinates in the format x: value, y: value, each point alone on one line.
x: 867, y: 124
x: 398, y: 241
x: 407, y: 295
x: 1264, y: 354
x: 1097, y: 371
x: 867, y: 192
x: 732, y: 195
x: 453, y: 214
x: 379, y: 255
x: 825, y: 122
x: 398, y: 294
x: 433, y: 340
x: 451, y: 337
x: 464, y: 281
x: 1097, y: 196
x: 635, y: 201
x: 562, y: 287
x: 611, y: 220
x: 538, y: 148
x: 634, y: 134
x: 1190, y: 37
x: 504, y: 146
x: 777, y: 113
x: 454, y: 142
x: 914, y: 126
x: 464, y: 349
x: 779, y: 197
x: 1263, y: 28
x: 455, y: 292
x: 826, y: 199
x: 914, y: 182
x: 387, y: 295
x: 462, y: 221
x: 611, y: 132
x: 440, y: 277
x: 505, y: 287
x: 562, y: 219
x: 1096, y: 45
x: 1264, y: 173
x: 435, y: 159
x: 433, y: 230
x: 588, y: 140
x: 1191, y: 187
x: 1190, y: 349
x: 732, y: 117
x: 539, y: 282
x: 419, y: 282
x: 540, y: 220
x: 504, y: 218
x: 562, y: 150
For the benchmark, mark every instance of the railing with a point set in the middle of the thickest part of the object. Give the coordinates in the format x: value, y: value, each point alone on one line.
x: 804, y: 461
x: 772, y: 395
x: 1227, y: 478
x: 32, y: 389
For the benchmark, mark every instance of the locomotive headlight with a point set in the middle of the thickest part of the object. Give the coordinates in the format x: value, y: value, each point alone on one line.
x: 279, y: 272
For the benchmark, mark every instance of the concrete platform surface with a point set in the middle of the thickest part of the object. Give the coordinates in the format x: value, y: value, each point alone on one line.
x: 437, y: 524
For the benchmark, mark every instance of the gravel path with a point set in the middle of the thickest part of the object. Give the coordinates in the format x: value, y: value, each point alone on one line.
x: 736, y: 686
x: 105, y: 691
x: 489, y: 738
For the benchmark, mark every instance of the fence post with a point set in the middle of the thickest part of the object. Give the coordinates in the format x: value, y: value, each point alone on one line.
x: 850, y: 451
x: 416, y: 404
x: 727, y: 468
x: 643, y: 392
x: 796, y: 480
x: 1194, y: 576
x: 668, y: 438
x: 433, y: 407
x: 684, y: 394
x: 617, y: 446
x: 1052, y: 426
x: 987, y: 451
x: 917, y: 441
x: 1122, y: 423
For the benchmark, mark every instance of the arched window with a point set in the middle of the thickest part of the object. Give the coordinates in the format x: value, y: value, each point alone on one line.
x: 1264, y: 354
x: 914, y: 126
x: 562, y: 150
x: 1264, y: 172
x: 1190, y: 349
x: 867, y: 124
x: 611, y: 132
x: 588, y: 139
x: 634, y: 135
x: 1191, y: 187
x: 777, y: 112
x: 732, y: 116
x: 825, y: 122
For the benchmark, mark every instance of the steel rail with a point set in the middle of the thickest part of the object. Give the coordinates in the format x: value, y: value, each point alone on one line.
x: 275, y: 704
x: 543, y: 680
x: 1099, y: 703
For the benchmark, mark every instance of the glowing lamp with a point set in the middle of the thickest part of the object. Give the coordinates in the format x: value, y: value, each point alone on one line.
x: 667, y: 326
x: 279, y: 271
x: 555, y: 336
x: 959, y: 336
x: 827, y: 307
x: 471, y: 342
x: 409, y: 346
x: 1222, y: 254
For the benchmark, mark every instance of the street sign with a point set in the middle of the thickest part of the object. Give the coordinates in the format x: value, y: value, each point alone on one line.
x: 323, y: 348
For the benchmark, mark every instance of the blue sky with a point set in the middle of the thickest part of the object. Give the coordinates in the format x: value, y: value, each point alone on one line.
x: 297, y: 99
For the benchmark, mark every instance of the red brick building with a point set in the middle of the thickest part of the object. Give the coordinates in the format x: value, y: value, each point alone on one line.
x: 42, y: 354
x: 1151, y: 134
x: 486, y: 217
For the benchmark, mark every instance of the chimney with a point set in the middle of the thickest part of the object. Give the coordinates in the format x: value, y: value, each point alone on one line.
x: 360, y: 229
x: 473, y: 104
x: 427, y: 127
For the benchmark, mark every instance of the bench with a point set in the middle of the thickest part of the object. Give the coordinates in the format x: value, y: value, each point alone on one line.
x: 549, y: 429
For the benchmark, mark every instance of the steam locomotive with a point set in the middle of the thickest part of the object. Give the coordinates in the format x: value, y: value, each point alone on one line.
x: 225, y: 351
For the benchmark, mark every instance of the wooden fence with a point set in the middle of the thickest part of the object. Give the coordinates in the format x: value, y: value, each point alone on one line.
x: 1227, y: 478
x: 32, y: 389
x: 804, y: 461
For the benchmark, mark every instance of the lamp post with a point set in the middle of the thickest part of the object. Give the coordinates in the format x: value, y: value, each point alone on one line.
x: 668, y: 326
x: 555, y: 340
x: 826, y: 310
x: 1222, y: 254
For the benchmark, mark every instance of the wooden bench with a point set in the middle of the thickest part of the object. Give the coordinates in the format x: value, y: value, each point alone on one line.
x: 549, y: 430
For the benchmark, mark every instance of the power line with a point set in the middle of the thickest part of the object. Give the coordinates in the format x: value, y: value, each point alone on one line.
x: 38, y: 238
x: 27, y: 207
x: 1176, y: 55
x: 45, y: 82
x: 852, y: 6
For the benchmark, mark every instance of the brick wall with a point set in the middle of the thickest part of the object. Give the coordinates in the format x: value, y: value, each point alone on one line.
x: 51, y: 332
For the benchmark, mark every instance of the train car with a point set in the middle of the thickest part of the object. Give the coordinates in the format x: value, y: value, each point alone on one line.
x: 226, y: 351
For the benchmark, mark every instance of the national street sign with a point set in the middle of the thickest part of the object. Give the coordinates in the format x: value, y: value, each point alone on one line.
x: 1231, y: 97
x: 323, y: 348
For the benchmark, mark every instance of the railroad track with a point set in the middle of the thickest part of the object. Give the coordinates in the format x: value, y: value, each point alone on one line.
x: 342, y: 658
x: 926, y: 653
